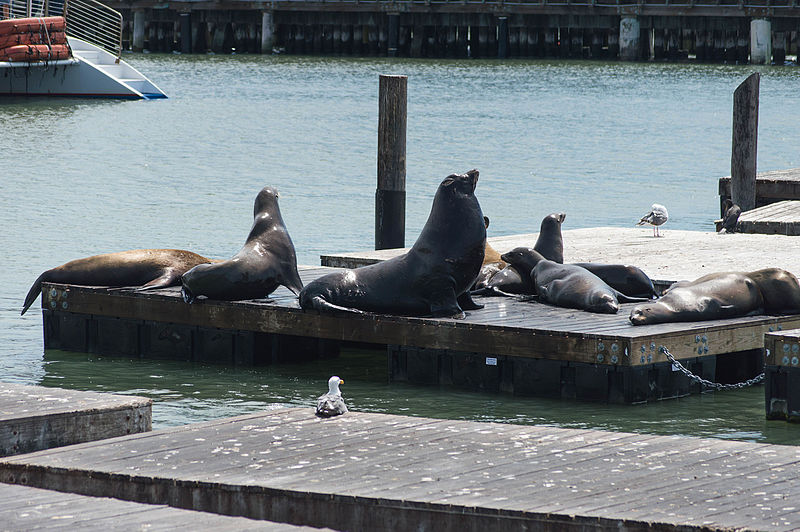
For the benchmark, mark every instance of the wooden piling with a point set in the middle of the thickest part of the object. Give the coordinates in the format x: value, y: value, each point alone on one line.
x: 394, y: 34
x: 502, y: 37
x: 745, y: 136
x: 390, y: 197
x: 186, y: 33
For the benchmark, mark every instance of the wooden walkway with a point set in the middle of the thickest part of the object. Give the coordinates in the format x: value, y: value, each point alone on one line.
x: 381, y: 472
x: 35, y: 417
x: 771, y: 187
x: 781, y: 218
x: 25, y: 508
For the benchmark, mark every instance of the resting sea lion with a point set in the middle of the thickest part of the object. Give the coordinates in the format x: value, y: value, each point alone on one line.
x: 491, y: 255
x: 550, y: 243
x: 628, y: 280
x: 568, y: 285
x: 144, y: 268
x: 266, y: 260
x: 432, y: 278
x: 711, y: 297
x: 779, y: 288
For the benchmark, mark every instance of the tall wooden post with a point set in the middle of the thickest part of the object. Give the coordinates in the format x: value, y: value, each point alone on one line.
x: 186, y: 33
x: 745, y: 137
x: 390, y: 197
x: 138, y: 30
x: 394, y: 34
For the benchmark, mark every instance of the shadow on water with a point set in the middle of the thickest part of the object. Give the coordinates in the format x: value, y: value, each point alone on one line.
x: 185, y: 392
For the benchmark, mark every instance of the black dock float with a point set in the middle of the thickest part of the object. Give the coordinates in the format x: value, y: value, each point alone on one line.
x: 381, y: 472
x: 36, y: 417
x: 782, y: 375
x: 509, y: 346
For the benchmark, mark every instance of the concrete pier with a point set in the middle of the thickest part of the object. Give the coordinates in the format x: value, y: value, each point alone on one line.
x: 266, y: 32
x: 629, y: 45
x: 760, y: 41
x: 138, y: 30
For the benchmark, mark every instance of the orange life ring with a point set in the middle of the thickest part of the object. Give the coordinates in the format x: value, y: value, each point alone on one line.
x: 28, y: 25
x: 55, y: 37
x: 34, y: 52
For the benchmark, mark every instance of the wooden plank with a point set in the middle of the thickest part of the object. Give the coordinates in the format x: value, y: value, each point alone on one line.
x: 35, y: 417
x: 27, y: 508
x: 381, y: 472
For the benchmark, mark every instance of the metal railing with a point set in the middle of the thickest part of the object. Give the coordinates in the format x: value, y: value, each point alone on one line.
x: 87, y: 20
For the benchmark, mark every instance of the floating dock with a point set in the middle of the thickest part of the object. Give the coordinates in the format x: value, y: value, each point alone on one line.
x: 383, y: 472
x: 35, y: 417
x: 771, y: 187
x: 782, y: 375
x: 25, y: 508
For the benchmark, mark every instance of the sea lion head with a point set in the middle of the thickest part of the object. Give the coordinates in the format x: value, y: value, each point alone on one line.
x: 553, y: 221
x: 647, y: 313
x: 463, y: 184
x: 267, y: 200
x: 522, y: 258
x: 604, y: 304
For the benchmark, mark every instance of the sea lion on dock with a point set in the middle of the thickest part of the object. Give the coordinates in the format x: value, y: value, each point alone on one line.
x: 550, y: 242
x: 628, y: 280
x: 141, y: 268
x: 711, y: 297
x: 779, y: 288
x: 571, y: 286
x: 266, y: 261
x: 491, y: 255
x: 432, y: 278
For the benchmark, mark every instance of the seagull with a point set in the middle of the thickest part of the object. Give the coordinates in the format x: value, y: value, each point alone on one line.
x: 657, y: 216
x: 331, y: 404
x: 731, y: 217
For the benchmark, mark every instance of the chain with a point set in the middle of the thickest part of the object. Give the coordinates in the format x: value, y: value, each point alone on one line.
x: 715, y: 385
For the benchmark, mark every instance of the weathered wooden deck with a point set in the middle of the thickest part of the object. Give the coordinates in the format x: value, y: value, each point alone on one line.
x: 26, y: 508
x: 771, y: 187
x: 35, y: 417
x: 780, y: 218
x: 381, y: 472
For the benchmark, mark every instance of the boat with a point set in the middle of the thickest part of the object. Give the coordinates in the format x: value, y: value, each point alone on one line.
x: 36, y: 59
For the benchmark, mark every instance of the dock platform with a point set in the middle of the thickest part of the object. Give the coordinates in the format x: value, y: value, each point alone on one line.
x: 782, y: 375
x: 378, y: 472
x: 780, y: 218
x: 25, y: 508
x: 771, y: 187
x: 35, y: 417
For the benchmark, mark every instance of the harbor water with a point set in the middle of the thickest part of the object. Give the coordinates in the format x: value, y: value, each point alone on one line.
x: 599, y: 141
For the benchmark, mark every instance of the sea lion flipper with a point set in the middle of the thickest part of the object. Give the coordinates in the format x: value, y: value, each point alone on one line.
x: 33, y: 293
x: 168, y: 278
x: 466, y: 303
x: 622, y: 298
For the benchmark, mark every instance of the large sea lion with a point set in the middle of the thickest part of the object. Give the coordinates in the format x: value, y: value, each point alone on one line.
x: 571, y: 286
x: 628, y: 280
x: 432, y: 278
x: 779, y: 288
x: 142, y: 268
x: 550, y: 243
x: 266, y: 260
x: 711, y: 297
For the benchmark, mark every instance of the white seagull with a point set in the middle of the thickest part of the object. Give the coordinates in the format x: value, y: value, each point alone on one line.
x: 657, y: 216
x: 331, y: 404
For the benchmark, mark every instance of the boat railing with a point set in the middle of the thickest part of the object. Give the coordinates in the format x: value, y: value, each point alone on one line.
x: 87, y: 20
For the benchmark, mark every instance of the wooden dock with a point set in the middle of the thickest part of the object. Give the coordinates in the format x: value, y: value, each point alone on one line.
x: 382, y: 472
x: 782, y: 375
x: 780, y: 218
x: 26, y: 508
x: 771, y: 187
x: 35, y: 417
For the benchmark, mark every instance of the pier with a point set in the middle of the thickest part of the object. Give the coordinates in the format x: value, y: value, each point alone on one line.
x: 508, y: 346
x: 758, y: 31
x: 365, y: 471
x: 34, y: 417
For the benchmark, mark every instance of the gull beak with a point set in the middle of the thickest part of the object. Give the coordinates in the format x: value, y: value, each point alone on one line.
x: 341, y: 381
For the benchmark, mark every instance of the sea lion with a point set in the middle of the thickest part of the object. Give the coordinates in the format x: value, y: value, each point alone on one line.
x: 711, y: 297
x: 514, y: 279
x: 491, y: 255
x: 432, y: 278
x: 628, y: 280
x: 550, y: 243
x: 571, y: 286
x: 142, y: 268
x: 266, y: 260
x: 779, y: 288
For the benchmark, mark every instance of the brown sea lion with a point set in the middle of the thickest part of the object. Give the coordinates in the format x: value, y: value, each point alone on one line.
x: 628, y: 280
x: 142, y: 268
x: 266, y: 261
x: 711, y: 297
x: 779, y: 288
x: 432, y: 278
x: 491, y: 255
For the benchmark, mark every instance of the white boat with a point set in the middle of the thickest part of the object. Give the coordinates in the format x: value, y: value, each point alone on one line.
x: 95, y: 68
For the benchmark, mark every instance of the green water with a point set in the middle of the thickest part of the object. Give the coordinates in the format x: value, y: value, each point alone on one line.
x: 600, y: 141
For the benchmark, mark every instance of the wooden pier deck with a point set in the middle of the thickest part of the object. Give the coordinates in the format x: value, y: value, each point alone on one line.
x: 34, y: 417
x: 771, y: 187
x: 381, y: 472
x: 26, y: 508
x: 780, y: 218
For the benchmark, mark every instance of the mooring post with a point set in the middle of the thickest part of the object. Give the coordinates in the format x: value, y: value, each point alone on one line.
x: 186, y: 33
x: 502, y: 37
x: 760, y: 41
x: 629, y: 34
x: 138, y: 30
x: 745, y: 137
x: 390, y: 197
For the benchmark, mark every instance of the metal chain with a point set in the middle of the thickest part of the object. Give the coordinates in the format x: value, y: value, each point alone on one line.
x: 715, y: 385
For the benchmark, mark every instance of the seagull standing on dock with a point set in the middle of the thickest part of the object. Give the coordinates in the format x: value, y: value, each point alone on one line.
x: 331, y: 404
x: 657, y: 216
